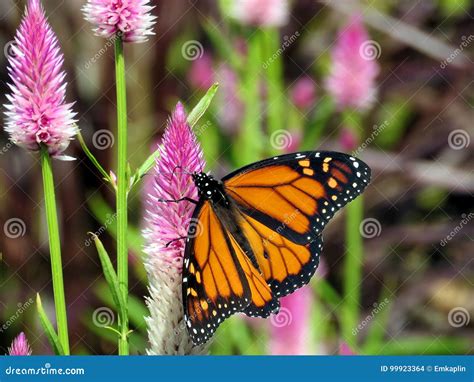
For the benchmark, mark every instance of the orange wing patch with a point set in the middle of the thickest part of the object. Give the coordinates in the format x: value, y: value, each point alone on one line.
x: 261, y: 295
x: 285, y: 265
x: 214, y: 284
x: 279, y: 192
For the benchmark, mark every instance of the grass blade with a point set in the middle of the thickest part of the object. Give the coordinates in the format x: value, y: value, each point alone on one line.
x: 48, y: 328
x: 111, y: 277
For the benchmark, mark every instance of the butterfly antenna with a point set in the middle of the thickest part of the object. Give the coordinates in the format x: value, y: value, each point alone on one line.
x: 183, y: 170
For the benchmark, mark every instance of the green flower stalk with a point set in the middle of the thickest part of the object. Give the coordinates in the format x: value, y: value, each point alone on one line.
x: 124, y: 21
x: 39, y: 119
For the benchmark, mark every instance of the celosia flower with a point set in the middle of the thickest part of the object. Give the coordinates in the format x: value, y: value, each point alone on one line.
x: 201, y: 74
x: 37, y: 113
x: 260, y: 13
x: 167, y: 222
x: 303, y: 93
x: 131, y: 19
x: 354, y: 68
x: 20, y: 346
x: 290, y: 327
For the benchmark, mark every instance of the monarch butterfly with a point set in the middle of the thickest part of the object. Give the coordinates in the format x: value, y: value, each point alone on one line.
x: 256, y: 234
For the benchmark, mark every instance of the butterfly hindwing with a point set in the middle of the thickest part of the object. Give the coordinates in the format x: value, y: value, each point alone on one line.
x: 285, y: 265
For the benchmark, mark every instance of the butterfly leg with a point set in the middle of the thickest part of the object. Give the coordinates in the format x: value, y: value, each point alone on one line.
x: 175, y: 240
x: 185, y: 199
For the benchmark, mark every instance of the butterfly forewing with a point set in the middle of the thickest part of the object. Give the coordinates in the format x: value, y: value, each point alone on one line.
x: 214, y: 284
x: 297, y: 194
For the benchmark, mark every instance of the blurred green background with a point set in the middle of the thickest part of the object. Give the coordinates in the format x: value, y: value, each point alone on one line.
x: 417, y: 270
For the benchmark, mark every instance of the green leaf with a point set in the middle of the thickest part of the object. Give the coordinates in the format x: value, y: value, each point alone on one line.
x: 92, y: 158
x: 145, y: 168
x: 111, y: 278
x: 195, y: 115
x: 48, y: 328
x: 193, y: 118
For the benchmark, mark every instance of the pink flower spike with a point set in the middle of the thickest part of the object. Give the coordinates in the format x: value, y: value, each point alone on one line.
x: 303, y: 93
x: 37, y: 113
x: 354, y: 67
x: 201, y: 74
x: 131, y: 19
x: 166, y: 224
x: 261, y: 13
x: 290, y: 327
x: 20, y: 346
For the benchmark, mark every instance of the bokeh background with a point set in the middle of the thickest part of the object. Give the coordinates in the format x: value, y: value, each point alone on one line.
x: 415, y: 281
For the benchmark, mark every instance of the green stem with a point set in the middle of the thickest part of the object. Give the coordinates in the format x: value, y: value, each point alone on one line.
x: 122, y: 189
x: 55, y: 249
x: 353, y: 270
x: 274, y: 75
x: 250, y: 142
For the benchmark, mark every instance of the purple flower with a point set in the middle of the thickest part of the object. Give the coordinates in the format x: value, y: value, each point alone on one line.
x: 20, y: 346
x: 354, y: 69
x: 201, y: 74
x: 131, y: 19
x: 303, y: 93
x: 290, y: 328
x: 261, y: 13
x: 37, y: 113
x: 180, y: 154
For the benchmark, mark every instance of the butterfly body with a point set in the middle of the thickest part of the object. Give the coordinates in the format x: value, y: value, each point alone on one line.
x: 259, y: 234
